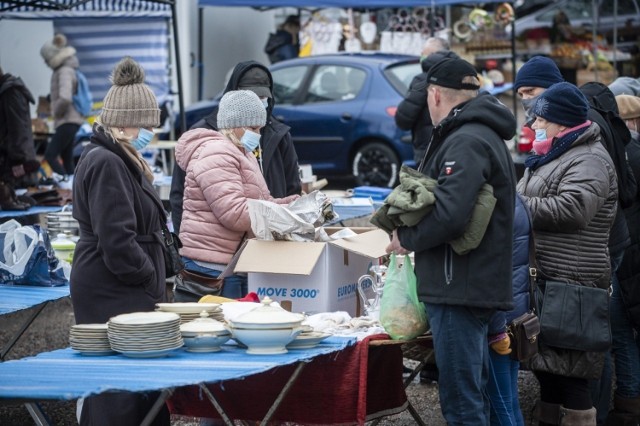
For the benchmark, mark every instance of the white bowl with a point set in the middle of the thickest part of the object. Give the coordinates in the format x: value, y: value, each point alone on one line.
x: 205, y: 343
x: 265, y: 341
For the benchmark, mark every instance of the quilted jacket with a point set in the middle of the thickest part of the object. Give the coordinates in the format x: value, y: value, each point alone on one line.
x: 220, y: 178
x: 573, y: 201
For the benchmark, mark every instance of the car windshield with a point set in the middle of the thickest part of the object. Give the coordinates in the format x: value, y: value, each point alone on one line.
x: 400, y: 75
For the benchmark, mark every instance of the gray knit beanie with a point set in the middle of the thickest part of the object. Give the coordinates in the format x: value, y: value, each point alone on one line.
x: 56, y: 51
x: 241, y: 108
x: 129, y: 102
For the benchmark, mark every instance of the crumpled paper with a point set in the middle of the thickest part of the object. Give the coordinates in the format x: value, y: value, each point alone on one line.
x: 296, y: 221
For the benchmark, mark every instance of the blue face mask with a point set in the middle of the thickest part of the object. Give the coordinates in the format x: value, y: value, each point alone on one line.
x: 541, y: 135
x: 265, y: 102
x: 250, y: 140
x: 144, y: 137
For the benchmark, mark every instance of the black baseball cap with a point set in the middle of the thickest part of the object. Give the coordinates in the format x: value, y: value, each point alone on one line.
x: 450, y: 72
x: 256, y: 80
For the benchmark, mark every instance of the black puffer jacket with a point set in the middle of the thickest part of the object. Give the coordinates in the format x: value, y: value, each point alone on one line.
x: 467, y: 151
x: 279, y: 158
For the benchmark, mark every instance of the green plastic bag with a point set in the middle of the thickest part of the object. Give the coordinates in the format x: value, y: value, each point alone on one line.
x: 401, y: 313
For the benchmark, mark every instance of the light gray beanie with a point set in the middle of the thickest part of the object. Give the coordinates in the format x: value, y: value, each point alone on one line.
x: 129, y: 102
x: 241, y: 108
x: 56, y: 51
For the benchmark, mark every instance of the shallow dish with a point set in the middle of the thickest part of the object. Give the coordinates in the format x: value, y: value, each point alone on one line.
x: 187, y: 307
x: 308, y: 340
x: 205, y: 343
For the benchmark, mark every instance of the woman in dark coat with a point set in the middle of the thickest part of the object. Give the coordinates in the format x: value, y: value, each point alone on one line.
x: 571, y: 191
x: 118, y: 264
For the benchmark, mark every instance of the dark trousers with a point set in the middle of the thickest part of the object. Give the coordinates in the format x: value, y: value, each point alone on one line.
x: 122, y: 409
x: 61, y: 145
x: 571, y: 392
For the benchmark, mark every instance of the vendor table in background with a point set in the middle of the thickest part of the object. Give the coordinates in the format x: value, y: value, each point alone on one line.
x: 67, y: 375
x: 30, y: 211
x: 15, y: 298
x: 167, y: 154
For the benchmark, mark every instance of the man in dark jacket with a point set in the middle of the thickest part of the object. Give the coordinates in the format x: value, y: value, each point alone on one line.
x: 17, y: 151
x: 461, y: 292
x: 413, y: 113
x: 276, y: 153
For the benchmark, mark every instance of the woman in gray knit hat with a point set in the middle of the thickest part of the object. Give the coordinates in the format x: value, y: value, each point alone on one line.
x: 222, y: 173
x: 118, y: 264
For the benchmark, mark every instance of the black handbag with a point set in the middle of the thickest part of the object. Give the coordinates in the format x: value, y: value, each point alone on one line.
x: 523, y: 333
x: 190, y: 286
x: 172, y: 260
x: 574, y: 316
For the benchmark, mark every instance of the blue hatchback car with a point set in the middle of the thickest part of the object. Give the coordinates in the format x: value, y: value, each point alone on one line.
x: 340, y: 108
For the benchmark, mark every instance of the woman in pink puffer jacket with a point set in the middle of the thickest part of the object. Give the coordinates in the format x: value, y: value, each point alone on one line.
x: 222, y: 173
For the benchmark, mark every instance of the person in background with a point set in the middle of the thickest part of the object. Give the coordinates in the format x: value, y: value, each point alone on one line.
x: 462, y: 291
x: 63, y: 61
x: 277, y: 153
x: 625, y: 86
x: 222, y: 173
x: 284, y: 43
x: 571, y: 191
x: 413, y: 113
x: 17, y: 150
x: 118, y: 263
x: 625, y: 298
x: 503, y: 372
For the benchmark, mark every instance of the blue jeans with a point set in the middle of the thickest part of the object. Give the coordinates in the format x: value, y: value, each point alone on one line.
x: 503, y: 390
x: 462, y: 356
x: 235, y: 286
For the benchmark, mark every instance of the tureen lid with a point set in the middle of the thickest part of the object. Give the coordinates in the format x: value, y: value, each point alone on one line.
x: 204, y: 324
x: 268, y: 313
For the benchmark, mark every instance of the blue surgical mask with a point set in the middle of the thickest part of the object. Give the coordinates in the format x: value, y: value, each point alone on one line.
x: 265, y: 102
x: 250, y: 140
x: 541, y: 135
x: 144, y: 138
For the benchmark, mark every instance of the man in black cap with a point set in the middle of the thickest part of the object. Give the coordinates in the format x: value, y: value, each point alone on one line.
x: 284, y: 43
x: 276, y: 153
x: 461, y: 292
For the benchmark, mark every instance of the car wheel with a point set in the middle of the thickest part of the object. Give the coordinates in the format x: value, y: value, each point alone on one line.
x: 375, y: 164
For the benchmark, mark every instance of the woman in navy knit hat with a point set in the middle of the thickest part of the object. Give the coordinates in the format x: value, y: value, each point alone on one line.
x: 571, y: 190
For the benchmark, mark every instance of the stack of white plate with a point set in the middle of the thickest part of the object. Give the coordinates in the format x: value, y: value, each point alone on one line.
x: 190, y: 311
x: 90, y: 339
x: 145, y: 334
x: 61, y: 223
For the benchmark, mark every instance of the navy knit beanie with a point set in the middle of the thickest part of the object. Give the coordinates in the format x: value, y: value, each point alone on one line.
x: 538, y: 71
x: 562, y: 103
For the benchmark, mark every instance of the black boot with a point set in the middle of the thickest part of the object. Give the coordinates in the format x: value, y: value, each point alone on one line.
x: 626, y: 412
x: 8, y: 200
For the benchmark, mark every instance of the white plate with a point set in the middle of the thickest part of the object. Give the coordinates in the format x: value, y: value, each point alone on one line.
x: 149, y: 354
x: 308, y: 340
x: 144, y: 318
x: 187, y: 308
x: 97, y: 353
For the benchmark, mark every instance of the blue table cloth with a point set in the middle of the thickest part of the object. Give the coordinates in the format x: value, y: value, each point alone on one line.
x: 66, y: 374
x: 32, y: 210
x: 17, y: 297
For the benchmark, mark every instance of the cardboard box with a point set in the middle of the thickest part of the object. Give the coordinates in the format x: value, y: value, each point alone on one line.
x: 313, y: 276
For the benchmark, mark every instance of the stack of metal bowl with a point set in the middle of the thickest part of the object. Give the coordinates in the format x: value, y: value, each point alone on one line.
x: 62, y: 223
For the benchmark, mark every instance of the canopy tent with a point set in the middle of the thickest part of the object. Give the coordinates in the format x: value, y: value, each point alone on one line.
x: 139, y: 31
x: 369, y: 4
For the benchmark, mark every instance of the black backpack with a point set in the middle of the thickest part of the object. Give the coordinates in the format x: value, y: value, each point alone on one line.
x: 615, y: 136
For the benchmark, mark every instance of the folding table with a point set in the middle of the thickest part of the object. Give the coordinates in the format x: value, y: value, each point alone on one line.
x: 18, y: 297
x: 67, y: 375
